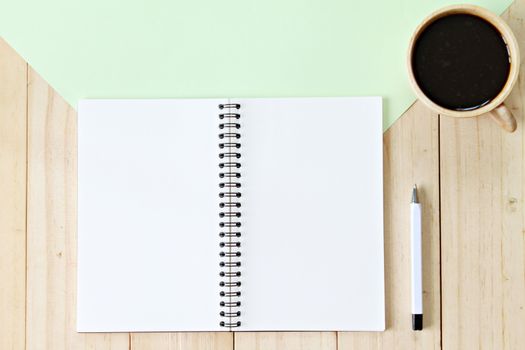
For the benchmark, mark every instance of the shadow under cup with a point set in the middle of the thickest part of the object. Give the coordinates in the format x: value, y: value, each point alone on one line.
x: 460, y: 62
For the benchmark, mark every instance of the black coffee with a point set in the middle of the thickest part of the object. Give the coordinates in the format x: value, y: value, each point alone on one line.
x: 460, y: 62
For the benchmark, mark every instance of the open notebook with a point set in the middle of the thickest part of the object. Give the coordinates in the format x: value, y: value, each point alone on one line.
x: 230, y: 214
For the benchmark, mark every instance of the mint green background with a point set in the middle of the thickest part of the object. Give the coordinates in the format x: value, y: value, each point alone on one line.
x: 221, y: 48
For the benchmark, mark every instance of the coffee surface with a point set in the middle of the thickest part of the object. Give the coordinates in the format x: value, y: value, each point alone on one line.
x: 460, y: 62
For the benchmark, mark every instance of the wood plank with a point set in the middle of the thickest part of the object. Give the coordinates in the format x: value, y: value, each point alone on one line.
x: 13, y: 116
x: 411, y: 155
x: 51, y: 226
x: 483, y: 237
x: 182, y: 341
x: 285, y: 340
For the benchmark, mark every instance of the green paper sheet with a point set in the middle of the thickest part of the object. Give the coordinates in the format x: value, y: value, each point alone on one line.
x: 227, y: 48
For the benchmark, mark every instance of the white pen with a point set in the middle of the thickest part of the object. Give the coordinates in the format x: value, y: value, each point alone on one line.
x: 416, y: 262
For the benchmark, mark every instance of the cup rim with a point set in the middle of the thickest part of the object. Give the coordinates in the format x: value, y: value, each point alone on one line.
x: 508, y: 38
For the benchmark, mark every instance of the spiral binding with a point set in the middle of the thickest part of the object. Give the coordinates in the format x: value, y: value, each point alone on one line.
x: 229, y: 145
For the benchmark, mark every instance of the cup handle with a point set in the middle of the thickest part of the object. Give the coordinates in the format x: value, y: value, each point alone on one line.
x: 504, y: 118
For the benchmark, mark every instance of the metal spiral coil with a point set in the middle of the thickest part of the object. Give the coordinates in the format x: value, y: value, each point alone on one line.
x: 230, y: 214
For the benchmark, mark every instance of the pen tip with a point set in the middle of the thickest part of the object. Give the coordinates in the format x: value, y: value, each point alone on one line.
x: 414, y: 194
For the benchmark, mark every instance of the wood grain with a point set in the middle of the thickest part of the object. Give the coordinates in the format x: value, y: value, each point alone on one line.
x: 483, y: 237
x: 286, y: 340
x: 51, y: 226
x: 181, y: 341
x: 411, y: 156
x: 13, y: 78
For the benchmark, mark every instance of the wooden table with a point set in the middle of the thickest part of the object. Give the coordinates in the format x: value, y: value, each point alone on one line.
x: 471, y: 176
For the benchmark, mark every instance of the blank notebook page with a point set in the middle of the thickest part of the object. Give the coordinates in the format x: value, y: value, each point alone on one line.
x: 148, y: 224
x: 312, y: 214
